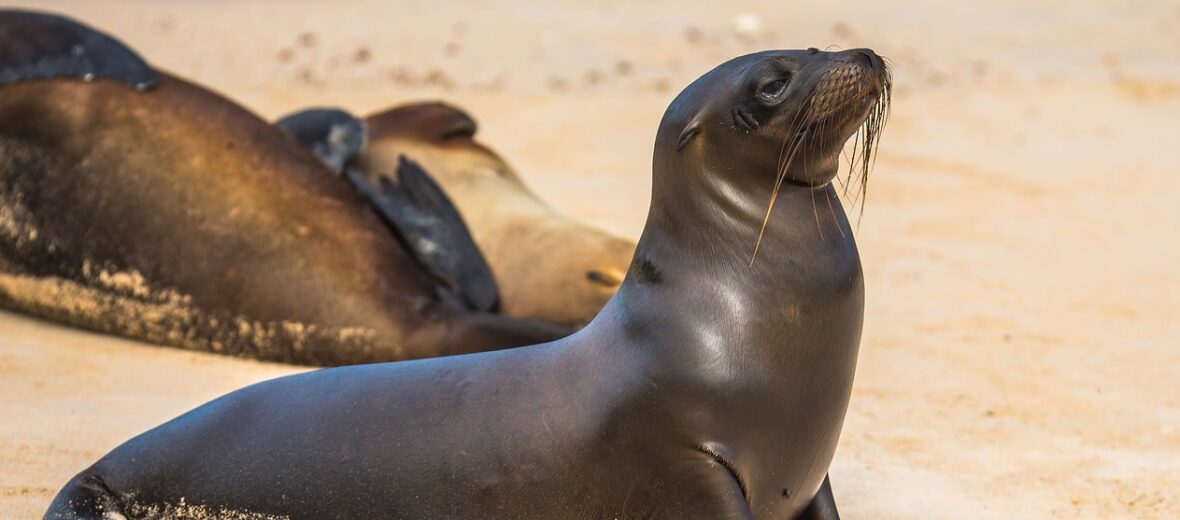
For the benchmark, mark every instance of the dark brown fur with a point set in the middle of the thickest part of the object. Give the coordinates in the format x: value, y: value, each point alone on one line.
x: 178, y: 217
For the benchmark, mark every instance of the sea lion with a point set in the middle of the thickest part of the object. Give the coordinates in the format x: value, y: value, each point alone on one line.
x: 548, y: 266
x: 414, y: 205
x: 711, y: 386
x: 136, y: 203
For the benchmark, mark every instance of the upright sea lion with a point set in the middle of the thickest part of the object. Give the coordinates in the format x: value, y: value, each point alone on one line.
x: 710, y: 386
x: 167, y: 213
x: 548, y: 266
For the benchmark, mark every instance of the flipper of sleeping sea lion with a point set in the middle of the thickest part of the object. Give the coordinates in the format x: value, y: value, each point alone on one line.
x: 335, y: 136
x: 433, y: 230
x: 43, y: 46
x: 415, y: 206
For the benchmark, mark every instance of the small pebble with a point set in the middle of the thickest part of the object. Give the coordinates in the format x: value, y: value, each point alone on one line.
x: 747, y: 24
x: 306, y: 39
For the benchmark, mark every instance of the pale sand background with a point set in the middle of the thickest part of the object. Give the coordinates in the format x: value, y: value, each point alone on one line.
x: 1022, y: 336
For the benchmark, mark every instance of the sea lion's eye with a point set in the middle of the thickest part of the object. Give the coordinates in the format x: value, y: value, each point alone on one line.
x: 774, y: 88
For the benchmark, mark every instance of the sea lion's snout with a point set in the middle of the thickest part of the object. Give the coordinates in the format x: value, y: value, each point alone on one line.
x: 868, y: 57
x: 848, y: 99
x: 852, y: 81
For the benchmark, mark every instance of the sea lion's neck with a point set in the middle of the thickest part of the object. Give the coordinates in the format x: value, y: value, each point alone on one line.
x: 692, y: 292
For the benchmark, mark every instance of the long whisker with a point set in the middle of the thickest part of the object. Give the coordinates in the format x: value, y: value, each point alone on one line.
x: 795, y: 128
x: 856, y: 143
x: 797, y: 136
x: 873, y: 127
x: 774, y: 195
x: 832, y: 211
x: 867, y: 140
x: 815, y: 212
x: 823, y: 127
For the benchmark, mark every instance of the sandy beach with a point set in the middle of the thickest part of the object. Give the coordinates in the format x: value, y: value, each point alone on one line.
x: 1022, y: 332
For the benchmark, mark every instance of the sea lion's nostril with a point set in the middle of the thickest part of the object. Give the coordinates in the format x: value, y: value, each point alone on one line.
x: 608, y: 279
x: 869, y: 58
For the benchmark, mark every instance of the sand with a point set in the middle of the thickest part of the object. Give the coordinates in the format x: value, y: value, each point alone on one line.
x: 1020, y: 240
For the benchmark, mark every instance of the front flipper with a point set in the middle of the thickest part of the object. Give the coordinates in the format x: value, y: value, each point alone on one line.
x: 44, y: 46
x: 823, y: 506
x: 418, y: 210
x: 333, y: 135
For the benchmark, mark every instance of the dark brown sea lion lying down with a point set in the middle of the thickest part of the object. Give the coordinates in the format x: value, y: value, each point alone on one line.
x: 135, y: 203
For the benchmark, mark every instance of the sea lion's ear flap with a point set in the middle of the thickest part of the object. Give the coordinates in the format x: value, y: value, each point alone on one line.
x: 418, y: 210
x: 43, y: 46
x: 690, y: 131
x: 333, y: 135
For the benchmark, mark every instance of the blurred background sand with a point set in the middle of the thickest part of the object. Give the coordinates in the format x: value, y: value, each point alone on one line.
x: 1022, y: 335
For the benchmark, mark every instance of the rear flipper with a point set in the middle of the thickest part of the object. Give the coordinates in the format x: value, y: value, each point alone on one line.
x: 42, y: 46
x: 85, y: 497
x: 430, y: 225
x: 333, y: 135
x: 823, y: 506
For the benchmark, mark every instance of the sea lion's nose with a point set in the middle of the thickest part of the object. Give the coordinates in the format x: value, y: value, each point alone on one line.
x: 865, y: 57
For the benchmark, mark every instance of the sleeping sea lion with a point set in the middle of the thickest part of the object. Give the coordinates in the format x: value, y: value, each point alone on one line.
x: 136, y: 203
x: 548, y: 266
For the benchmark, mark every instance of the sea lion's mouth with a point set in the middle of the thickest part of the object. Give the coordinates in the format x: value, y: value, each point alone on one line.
x: 789, y: 182
x: 821, y: 135
x: 850, y: 104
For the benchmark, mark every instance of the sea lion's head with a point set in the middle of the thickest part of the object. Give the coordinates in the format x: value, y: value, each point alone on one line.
x: 781, y: 114
x: 547, y: 265
x: 442, y: 137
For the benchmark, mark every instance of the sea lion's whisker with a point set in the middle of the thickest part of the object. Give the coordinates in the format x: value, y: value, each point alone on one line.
x: 873, y: 125
x: 832, y: 211
x: 811, y: 145
x: 794, y: 134
x: 851, y: 159
x: 795, y: 138
x: 815, y: 211
x: 774, y: 196
x: 856, y: 143
x: 867, y: 139
x: 865, y: 158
